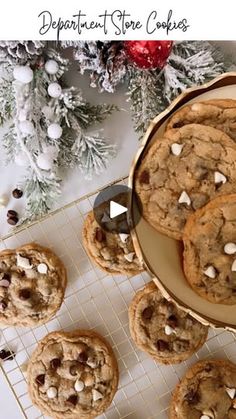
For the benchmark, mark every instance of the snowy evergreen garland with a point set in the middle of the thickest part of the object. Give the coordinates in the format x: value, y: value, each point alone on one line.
x: 149, y: 91
x: 48, y: 128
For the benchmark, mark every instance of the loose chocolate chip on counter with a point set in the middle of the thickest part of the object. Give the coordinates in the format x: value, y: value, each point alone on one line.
x: 74, y: 370
x: 192, y: 397
x: 172, y: 321
x: 83, y: 357
x: 55, y: 363
x: 24, y: 294
x: 17, y: 193
x: 162, y: 345
x: 144, y: 177
x: 73, y: 399
x: 147, y: 313
x: 99, y: 235
x: 40, y: 379
x: 13, y: 221
x: 6, y: 355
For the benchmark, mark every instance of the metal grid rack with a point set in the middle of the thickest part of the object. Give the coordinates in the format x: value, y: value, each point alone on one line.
x: 145, y: 387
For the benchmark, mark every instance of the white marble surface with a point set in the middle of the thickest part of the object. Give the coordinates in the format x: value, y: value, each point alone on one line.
x: 119, y: 129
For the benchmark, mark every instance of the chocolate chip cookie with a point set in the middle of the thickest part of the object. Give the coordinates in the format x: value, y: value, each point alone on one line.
x: 210, y: 250
x: 162, y: 330
x: 217, y: 113
x: 182, y: 172
x: 72, y: 375
x: 207, y: 391
x: 112, y: 252
x: 32, y: 285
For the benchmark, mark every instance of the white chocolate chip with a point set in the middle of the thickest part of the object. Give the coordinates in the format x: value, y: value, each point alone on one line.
x: 176, y: 149
x: 205, y: 417
x: 169, y: 330
x: 184, y: 198
x: 4, y: 283
x: 52, y: 392
x: 233, y: 267
x: 79, y: 385
x: 42, y: 268
x: 96, y: 395
x: 124, y: 237
x: 220, y: 178
x: 230, y: 248
x: 231, y: 392
x: 208, y: 414
x: 210, y: 272
x: 129, y: 257
x: 3, y: 201
x: 23, y: 262
x: 91, y: 364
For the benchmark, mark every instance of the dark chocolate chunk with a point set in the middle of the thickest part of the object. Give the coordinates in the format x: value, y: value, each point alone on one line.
x: 99, y: 235
x: 147, y: 313
x: 177, y: 125
x: 55, y: 363
x: 7, y: 276
x: 17, y: 193
x: 83, y: 357
x: 3, y: 305
x: 172, y: 321
x: 74, y: 370
x: 73, y: 399
x: 6, y: 355
x: 40, y: 379
x: 144, y: 177
x: 11, y: 213
x: 25, y: 294
x: 162, y: 345
x: 192, y: 397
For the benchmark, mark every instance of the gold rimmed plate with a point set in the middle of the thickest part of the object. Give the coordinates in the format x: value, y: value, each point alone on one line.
x: 161, y: 255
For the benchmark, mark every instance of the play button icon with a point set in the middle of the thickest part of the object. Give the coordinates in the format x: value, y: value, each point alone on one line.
x: 116, y: 209
x: 112, y: 209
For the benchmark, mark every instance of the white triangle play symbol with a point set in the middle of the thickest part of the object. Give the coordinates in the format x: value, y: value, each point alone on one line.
x: 116, y: 209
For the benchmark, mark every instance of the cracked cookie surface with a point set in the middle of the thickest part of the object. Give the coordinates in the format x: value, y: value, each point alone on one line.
x: 207, y: 391
x: 162, y: 330
x: 112, y: 252
x: 210, y: 250
x: 73, y: 374
x: 32, y: 285
x: 217, y: 113
x: 182, y: 172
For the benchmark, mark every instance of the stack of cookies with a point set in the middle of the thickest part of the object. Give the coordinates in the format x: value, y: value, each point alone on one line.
x: 186, y: 183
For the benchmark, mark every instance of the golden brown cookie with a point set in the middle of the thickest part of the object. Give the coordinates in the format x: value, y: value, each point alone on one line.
x: 159, y: 328
x: 210, y: 250
x: 32, y: 285
x: 112, y: 252
x: 72, y: 375
x: 182, y: 172
x: 207, y: 391
x: 217, y: 113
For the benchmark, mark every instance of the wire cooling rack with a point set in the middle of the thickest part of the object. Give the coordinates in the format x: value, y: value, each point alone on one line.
x: 98, y: 301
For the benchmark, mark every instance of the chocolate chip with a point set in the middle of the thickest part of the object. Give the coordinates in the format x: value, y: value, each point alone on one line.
x: 24, y: 294
x: 208, y: 368
x: 55, y: 363
x: 83, y: 357
x: 177, y: 125
x: 13, y: 221
x: 40, y: 379
x: 7, y: 355
x: 3, y: 305
x: 73, y: 370
x: 17, y: 193
x: 7, y: 276
x: 147, y: 313
x: 144, y: 177
x: 73, y: 399
x: 162, y: 345
x: 99, y: 235
x: 172, y: 321
x: 192, y: 397
x: 11, y: 213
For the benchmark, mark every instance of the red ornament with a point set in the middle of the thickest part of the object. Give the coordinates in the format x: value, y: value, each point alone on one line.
x: 148, y: 54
